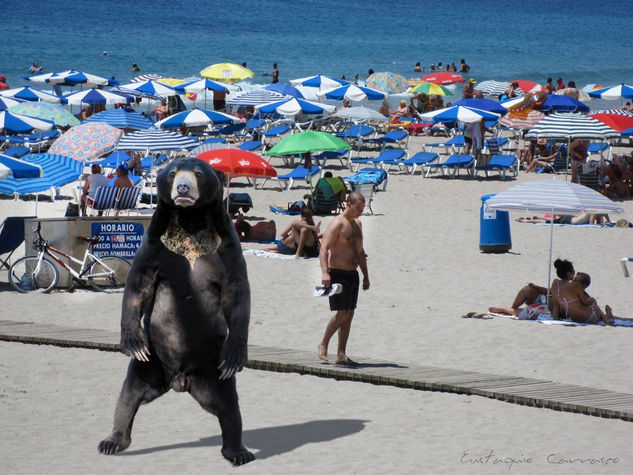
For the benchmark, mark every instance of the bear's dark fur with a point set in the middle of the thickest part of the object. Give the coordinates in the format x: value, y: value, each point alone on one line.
x: 188, y: 285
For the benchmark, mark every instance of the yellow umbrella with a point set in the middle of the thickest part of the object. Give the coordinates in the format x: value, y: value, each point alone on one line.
x: 227, y: 72
x: 171, y: 81
x: 431, y: 89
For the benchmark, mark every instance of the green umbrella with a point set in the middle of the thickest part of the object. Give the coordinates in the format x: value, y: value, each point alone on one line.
x: 431, y: 89
x: 56, y: 114
x: 309, y: 141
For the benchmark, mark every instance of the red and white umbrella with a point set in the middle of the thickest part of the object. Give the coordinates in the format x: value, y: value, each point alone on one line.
x: 618, y: 122
x: 443, y: 78
x: 520, y: 121
x: 529, y: 86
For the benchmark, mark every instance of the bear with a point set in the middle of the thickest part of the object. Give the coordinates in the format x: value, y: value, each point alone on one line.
x: 186, y: 307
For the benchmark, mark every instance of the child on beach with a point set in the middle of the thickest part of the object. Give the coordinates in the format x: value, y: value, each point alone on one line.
x: 577, y: 305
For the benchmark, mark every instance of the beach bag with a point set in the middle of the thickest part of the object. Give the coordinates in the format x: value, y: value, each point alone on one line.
x: 72, y: 210
x: 296, y: 205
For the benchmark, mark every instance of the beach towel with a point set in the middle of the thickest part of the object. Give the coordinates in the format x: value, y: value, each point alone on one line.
x: 548, y: 320
x: 266, y: 254
x: 278, y: 210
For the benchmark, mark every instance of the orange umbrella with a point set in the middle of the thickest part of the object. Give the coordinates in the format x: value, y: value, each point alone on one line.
x: 235, y: 163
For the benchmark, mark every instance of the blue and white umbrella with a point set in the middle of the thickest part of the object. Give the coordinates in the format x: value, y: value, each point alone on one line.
x: 155, y: 140
x: 29, y: 94
x: 58, y: 170
x: 50, y: 78
x: 554, y: 197
x: 613, y: 93
x: 134, y: 94
x: 19, y: 168
x: 552, y: 103
x: 463, y: 114
x: 195, y: 118
x: 294, y: 106
x: 571, y: 126
x: 483, y: 104
x: 22, y: 124
x: 96, y: 96
x: 77, y: 77
x: 150, y: 87
x: 285, y: 89
x: 494, y: 89
x: 353, y: 93
x: 6, y: 102
x: 322, y: 82
x: 200, y: 85
x: 254, y: 97
x: 122, y: 119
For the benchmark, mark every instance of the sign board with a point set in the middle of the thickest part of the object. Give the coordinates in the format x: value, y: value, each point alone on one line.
x: 117, y: 238
x: 489, y: 213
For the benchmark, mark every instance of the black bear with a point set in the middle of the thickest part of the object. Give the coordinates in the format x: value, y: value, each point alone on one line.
x: 189, y: 287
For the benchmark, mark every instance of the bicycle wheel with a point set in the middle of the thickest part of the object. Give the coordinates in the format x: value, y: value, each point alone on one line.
x: 28, y: 275
x: 109, y: 273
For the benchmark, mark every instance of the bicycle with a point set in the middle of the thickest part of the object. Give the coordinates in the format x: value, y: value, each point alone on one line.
x: 37, y: 273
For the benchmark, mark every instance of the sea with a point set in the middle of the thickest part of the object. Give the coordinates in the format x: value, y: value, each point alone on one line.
x: 585, y: 41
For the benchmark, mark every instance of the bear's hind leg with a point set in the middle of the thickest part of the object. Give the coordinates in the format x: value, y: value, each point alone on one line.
x: 219, y: 397
x: 144, y: 383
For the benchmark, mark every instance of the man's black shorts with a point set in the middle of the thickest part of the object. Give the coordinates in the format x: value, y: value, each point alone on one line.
x: 347, y: 299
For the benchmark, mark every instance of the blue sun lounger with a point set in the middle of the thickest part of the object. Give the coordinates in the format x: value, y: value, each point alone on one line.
x: 250, y: 145
x: 299, y: 173
x: 378, y: 176
x: 395, y: 138
x: 454, y: 162
x: 501, y: 164
x: 390, y: 155
x: 450, y: 146
x: 419, y: 159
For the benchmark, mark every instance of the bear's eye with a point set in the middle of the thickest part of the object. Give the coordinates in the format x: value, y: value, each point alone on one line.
x: 198, y: 174
x: 172, y: 174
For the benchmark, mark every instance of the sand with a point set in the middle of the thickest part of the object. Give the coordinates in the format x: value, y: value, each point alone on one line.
x: 426, y: 271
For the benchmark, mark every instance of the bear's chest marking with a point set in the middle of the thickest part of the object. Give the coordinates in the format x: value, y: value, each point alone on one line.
x: 191, y: 246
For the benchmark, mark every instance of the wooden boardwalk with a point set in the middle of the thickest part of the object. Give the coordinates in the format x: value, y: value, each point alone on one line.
x: 525, y: 391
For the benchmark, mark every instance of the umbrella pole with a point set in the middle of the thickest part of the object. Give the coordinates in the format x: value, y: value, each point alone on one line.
x: 228, y: 189
x: 549, y: 267
x: 567, y: 157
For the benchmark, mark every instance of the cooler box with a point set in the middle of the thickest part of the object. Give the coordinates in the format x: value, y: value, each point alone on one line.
x: 494, y: 229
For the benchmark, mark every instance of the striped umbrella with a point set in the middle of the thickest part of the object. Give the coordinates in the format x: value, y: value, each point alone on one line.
x: 29, y: 94
x: 431, y: 89
x: 6, y: 102
x: 515, y: 121
x: 322, y: 82
x: 200, y: 85
x: 87, y: 141
x: 122, y: 119
x: 150, y: 87
x: 555, y: 197
x: 40, y: 110
x: 494, y: 89
x: 146, y: 77
x: 155, y: 140
x: 353, y: 93
x: 388, y: 82
x: 19, y: 168
x: 461, y: 113
x: 58, y: 170
x: 571, y: 126
x: 195, y: 118
x: 22, y: 124
x: 613, y: 111
x: 613, y: 93
x: 294, y: 106
x: 254, y: 97
x: 96, y: 96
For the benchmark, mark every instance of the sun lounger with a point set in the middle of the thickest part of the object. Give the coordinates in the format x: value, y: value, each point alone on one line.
x: 342, y: 155
x: 454, y: 162
x: 600, y: 148
x: 623, y: 262
x: 394, y: 138
x: 275, y: 132
x: 379, y: 176
x: 356, y: 134
x: 299, y: 173
x: 250, y: 145
x: 501, y: 164
x: 17, y: 151
x: 11, y: 237
x: 450, y: 146
x: 419, y: 159
x: 390, y: 155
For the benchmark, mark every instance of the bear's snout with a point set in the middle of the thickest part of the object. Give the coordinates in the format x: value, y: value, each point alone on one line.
x: 184, y: 191
x: 183, y: 188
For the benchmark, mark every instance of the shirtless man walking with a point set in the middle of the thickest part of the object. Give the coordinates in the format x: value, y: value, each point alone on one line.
x: 342, y: 253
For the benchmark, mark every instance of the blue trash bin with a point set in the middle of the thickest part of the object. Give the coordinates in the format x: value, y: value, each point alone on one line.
x: 494, y: 229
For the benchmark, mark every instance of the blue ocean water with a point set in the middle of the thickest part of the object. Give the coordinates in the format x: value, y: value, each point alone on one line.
x: 583, y: 40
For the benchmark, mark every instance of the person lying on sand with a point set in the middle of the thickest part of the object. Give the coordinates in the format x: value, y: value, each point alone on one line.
x: 582, y: 218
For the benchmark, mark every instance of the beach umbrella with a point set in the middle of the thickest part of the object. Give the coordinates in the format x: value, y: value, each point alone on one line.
x: 29, y: 94
x: 73, y: 78
x: 571, y: 126
x: 613, y: 111
x: 171, y: 82
x: 50, y: 78
x: 22, y: 124
x: 155, y: 140
x: 122, y: 119
x: 309, y: 141
x: 195, y: 118
x: 558, y: 103
x: 495, y: 89
x: 483, y: 104
x: 285, y: 89
x: 254, y: 97
x: 529, y: 86
x: 618, y: 122
x: 200, y: 85
x: 7, y: 102
x: 430, y: 89
x: 238, y: 163
x: 443, y: 78
x: 96, y: 96
x: 294, y: 106
x: 146, y: 77
x: 459, y: 113
x: 519, y: 121
x: 359, y: 114
x: 554, y: 197
x: 19, y: 168
x: 134, y: 94
x: 322, y: 82
x: 150, y: 87
x: 613, y: 93
x: 87, y: 141
x: 113, y: 160
x: 4, y: 171
x: 57, y: 114
x: 353, y: 93
x: 388, y: 82
x: 226, y: 72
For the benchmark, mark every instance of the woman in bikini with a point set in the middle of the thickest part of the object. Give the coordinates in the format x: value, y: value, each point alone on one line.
x: 577, y: 305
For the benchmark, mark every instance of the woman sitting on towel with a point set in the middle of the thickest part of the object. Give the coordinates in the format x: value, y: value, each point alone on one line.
x: 301, y: 236
x: 532, y: 294
x: 576, y: 304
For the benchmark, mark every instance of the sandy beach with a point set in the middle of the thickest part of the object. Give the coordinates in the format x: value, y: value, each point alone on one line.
x: 426, y: 271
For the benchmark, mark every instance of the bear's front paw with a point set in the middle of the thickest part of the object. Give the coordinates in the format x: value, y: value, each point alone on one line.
x: 134, y: 343
x: 232, y: 358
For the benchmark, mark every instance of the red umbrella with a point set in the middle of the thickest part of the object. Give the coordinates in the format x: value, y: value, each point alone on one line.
x: 530, y: 86
x: 235, y: 162
x: 615, y: 121
x: 443, y: 78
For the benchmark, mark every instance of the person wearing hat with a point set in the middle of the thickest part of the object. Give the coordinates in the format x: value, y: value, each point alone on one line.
x: 401, y: 111
x: 469, y: 89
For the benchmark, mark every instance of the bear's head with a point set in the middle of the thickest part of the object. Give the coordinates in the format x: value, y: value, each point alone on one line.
x: 189, y: 183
